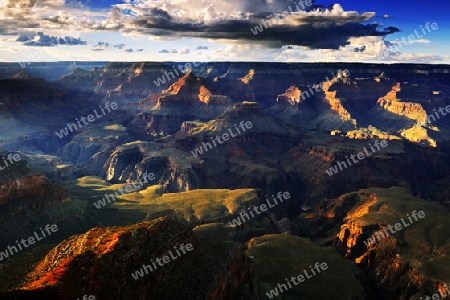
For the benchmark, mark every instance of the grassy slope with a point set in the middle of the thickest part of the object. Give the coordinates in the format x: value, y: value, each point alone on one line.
x: 280, y: 256
x: 192, y: 205
x: 207, y: 204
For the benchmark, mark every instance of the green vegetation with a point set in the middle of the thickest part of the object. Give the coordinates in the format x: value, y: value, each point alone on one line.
x: 195, y: 205
x: 280, y: 256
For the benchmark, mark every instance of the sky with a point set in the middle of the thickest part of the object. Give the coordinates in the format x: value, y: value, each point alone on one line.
x: 370, y: 31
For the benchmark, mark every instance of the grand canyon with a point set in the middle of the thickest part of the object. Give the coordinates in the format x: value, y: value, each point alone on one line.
x: 224, y: 202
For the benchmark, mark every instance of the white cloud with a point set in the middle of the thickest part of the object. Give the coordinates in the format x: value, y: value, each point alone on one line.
x: 101, y: 46
x: 376, y: 49
x: 185, y: 50
x: 420, y: 41
x: 291, y: 55
x: 418, y: 58
x: 319, y: 33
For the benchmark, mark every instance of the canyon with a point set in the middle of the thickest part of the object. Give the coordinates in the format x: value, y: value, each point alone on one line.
x: 292, y: 143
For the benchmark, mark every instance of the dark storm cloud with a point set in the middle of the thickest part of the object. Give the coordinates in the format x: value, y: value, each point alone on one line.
x: 315, y: 32
x: 160, y: 13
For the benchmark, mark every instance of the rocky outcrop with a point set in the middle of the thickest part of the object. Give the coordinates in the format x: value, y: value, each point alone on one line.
x: 30, y: 201
x: 23, y: 199
x: 219, y: 100
x: 247, y: 78
x: 25, y: 89
x: 361, y: 94
x: 174, y: 170
x: 322, y: 153
x: 187, y: 99
x: 291, y: 256
x: 204, y: 95
x: 413, y: 111
x: 190, y: 89
x: 33, y: 191
x: 291, y: 96
x: 335, y: 103
x: 187, y: 128
x: 79, y: 266
x: 394, y: 261
x: 85, y: 145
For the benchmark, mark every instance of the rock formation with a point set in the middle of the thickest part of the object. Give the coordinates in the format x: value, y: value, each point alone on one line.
x: 101, y: 261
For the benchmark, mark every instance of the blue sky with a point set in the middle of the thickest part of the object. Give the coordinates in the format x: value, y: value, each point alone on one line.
x: 225, y: 30
x: 409, y: 16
